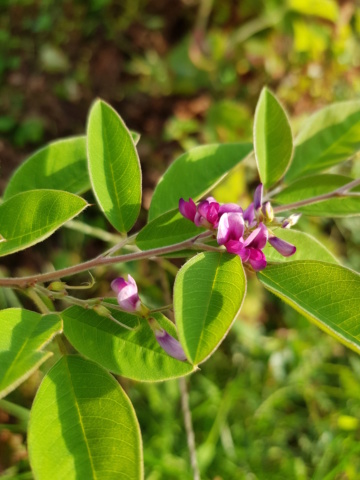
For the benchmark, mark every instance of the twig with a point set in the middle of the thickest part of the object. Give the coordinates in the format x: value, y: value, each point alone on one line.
x: 189, y: 427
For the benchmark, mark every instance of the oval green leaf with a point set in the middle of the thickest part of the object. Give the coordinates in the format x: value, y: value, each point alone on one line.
x: 327, y: 294
x: 208, y: 293
x: 318, y: 185
x: 83, y: 426
x: 61, y: 165
x: 132, y: 354
x: 167, y: 229
x: 30, y: 217
x: 23, y: 336
x: 114, y: 166
x: 307, y: 248
x: 273, y: 142
x: 330, y: 136
x: 195, y: 173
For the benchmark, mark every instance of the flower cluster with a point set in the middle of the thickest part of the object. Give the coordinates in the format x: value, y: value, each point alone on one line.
x: 244, y: 233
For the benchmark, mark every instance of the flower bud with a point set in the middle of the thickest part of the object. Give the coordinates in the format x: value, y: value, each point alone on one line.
x: 286, y: 249
x: 166, y: 341
x: 268, y: 212
x: 127, y: 294
x: 101, y: 310
x: 291, y: 221
x: 57, y: 286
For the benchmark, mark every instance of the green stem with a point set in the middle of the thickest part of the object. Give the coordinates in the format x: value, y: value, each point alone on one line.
x: 23, y: 414
x: 93, y: 231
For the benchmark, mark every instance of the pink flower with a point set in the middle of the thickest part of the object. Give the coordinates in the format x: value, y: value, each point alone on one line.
x: 127, y: 294
x: 207, y: 214
x: 187, y: 209
x: 250, y: 249
x: 286, y: 249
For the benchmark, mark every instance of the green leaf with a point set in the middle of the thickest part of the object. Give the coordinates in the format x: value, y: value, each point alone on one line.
x: 114, y: 166
x: 61, y: 165
x: 330, y: 136
x: 194, y: 174
x: 132, y: 354
x: 168, y: 229
x: 307, y: 248
x: 23, y: 336
x: 83, y: 426
x: 208, y: 293
x: 273, y: 141
x: 135, y: 136
x: 318, y: 185
x: 326, y: 294
x: 30, y: 217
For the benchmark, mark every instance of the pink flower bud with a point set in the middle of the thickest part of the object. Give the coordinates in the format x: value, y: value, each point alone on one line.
x: 187, y: 209
x: 166, y: 341
x: 285, y: 248
x: 127, y: 294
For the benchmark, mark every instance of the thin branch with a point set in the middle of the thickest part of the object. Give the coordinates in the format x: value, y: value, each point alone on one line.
x: 31, y: 280
x: 338, y: 193
x: 189, y: 427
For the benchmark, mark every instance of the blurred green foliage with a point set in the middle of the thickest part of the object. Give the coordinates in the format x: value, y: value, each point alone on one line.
x: 279, y: 399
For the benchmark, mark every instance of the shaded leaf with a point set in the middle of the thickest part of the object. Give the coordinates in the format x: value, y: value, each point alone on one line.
x: 195, y: 173
x: 23, y: 336
x: 167, y: 229
x: 132, y: 354
x: 318, y: 185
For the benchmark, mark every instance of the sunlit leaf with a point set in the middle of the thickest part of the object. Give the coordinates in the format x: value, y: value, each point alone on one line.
x: 327, y: 294
x: 32, y: 216
x: 208, y: 294
x: 83, y: 426
x: 61, y: 165
x: 273, y: 142
x: 328, y: 137
x: 307, y: 248
x: 23, y: 336
x: 194, y: 173
x: 114, y: 166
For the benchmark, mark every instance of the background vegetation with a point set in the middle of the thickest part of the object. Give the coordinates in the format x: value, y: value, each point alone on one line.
x: 280, y: 399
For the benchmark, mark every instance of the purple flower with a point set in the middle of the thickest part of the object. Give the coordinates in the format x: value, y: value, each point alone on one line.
x: 166, y: 341
x: 250, y: 249
x: 127, y: 294
x: 207, y: 214
x: 231, y: 227
x: 285, y: 248
x: 187, y: 209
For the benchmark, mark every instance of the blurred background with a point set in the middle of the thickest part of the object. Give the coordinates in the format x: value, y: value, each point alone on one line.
x: 279, y: 399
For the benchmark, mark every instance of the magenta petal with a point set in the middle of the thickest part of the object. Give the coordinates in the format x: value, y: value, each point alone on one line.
x: 285, y: 248
x: 187, y: 209
x: 118, y: 284
x: 257, y: 259
x: 258, y: 196
x: 249, y: 214
x: 203, y: 208
x: 231, y: 227
x: 259, y: 241
x: 212, y: 214
x: 170, y: 344
x: 230, y: 207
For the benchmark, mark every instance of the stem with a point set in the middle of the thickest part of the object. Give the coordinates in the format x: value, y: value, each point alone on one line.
x: 96, y: 262
x: 17, y: 411
x: 339, y: 192
x: 188, y: 427
x: 93, y: 231
x: 162, y: 309
x: 35, y: 297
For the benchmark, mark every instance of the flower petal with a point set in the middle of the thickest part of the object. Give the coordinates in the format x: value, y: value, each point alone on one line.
x: 249, y: 214
x: 231, y: 227
x: 230, y: 207
x: 258, y: 195
x: 118, y: 284
x: 169, y: 344
x: 257, y: 259
x: 187, y: 209
x: 285, y: 248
